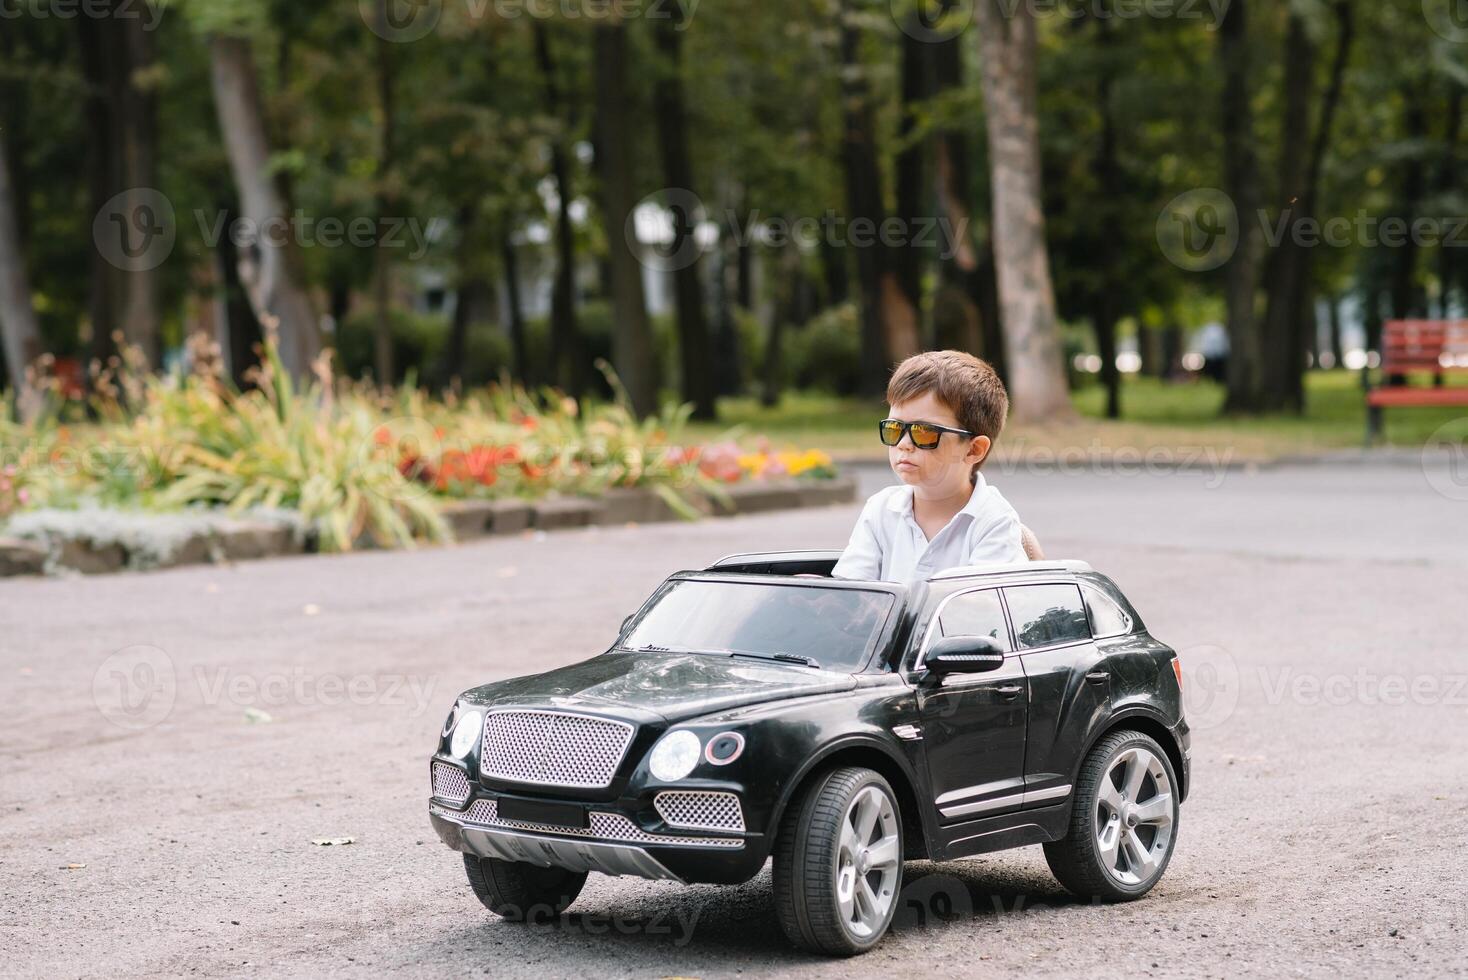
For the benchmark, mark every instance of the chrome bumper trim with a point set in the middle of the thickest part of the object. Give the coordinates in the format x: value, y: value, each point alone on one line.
x: 551, y: 852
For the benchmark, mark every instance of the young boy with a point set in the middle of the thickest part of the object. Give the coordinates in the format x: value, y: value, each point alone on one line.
x: 947, y: 408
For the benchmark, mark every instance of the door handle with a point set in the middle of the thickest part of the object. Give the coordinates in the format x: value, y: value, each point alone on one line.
x: 1009, y: 691
x: 1098, y: 676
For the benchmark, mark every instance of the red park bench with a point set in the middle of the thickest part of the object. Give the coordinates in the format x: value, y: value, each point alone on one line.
x: 1436, y: 346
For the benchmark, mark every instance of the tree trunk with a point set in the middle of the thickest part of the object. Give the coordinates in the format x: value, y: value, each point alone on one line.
x: 1241, y: 179
x: 567, y: 367
x: 889, y: 329
x: 1037, y: 380
x: 1447, y: 258
x: 966, y: 311
x: 102, y: 179
x: 1407, y: 297
x: 518, y: 351
x: 244, y: 334
x: 1284, y: 285
x: 914, y: 200
x: 1109, y: 177
x: 631, y: 335
x: 835, y: 271
x: 451, y: 363
x: 728, y: 358
x: 383, y: 360
x: 22, y: 337
x: 672, y: 119
x: 137, y: 129
x: 1337, y: 353
x: 269, y: 271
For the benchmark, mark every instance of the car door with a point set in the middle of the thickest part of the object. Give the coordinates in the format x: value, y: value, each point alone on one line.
x: 1070, y: 684
x: 974, y: 724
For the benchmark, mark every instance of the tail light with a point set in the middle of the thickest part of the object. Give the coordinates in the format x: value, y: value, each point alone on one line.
x: 1177, y: 668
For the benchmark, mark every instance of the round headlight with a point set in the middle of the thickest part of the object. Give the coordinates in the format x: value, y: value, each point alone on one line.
x: 466, y: 734
x: 448, y: 724
x: 675, y: 756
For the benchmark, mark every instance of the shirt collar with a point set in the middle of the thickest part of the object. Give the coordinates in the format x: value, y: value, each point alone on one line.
x: 901, y: 503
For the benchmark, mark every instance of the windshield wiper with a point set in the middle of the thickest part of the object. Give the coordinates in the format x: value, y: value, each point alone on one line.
x: 788, y: 658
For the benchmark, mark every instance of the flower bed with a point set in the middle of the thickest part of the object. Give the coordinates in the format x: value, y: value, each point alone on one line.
x: 359, y: 466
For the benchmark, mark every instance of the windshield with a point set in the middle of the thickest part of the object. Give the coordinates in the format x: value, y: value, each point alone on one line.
x: 833, y: 628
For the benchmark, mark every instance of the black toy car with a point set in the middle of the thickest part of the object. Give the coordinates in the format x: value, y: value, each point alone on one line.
x: 749, y: 711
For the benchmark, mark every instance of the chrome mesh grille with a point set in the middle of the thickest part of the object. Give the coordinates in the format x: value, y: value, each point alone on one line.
x: 604, y: 826
x: 694, y: 810
x: 450, y: 782
x: 553, y: 748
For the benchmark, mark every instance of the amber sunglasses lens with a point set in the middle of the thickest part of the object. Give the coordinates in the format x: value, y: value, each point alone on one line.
x: 925, y: 436
x: 891, y: 432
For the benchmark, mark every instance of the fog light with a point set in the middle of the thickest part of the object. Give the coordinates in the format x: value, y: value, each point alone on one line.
x: 724, y: 748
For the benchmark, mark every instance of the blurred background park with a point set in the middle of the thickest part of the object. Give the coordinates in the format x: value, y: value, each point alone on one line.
x: 304, y: 256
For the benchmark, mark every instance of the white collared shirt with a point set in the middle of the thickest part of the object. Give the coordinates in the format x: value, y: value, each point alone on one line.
x: 888, y: 546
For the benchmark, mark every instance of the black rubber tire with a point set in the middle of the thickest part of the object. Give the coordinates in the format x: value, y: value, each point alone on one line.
x: 522, y: 892
x: 1074, y: 859
x: 805, y: 858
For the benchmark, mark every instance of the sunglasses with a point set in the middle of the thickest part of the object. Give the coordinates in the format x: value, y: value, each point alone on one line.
x: 925, y: 435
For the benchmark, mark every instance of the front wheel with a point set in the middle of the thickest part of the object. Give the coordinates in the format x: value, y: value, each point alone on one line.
x: 522, y: 892
x: 1123, y: 824
x: 838, y: 863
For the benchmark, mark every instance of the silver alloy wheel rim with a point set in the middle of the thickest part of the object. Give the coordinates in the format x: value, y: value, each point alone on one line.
x: 868, y: 862
x: 1134, y: 815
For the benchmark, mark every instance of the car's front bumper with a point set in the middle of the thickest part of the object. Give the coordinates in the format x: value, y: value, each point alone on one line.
x: 618, y: 839
x: 547, y: 851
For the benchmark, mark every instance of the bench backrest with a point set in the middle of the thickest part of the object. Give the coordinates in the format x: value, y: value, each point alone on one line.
x: 1424, y: 345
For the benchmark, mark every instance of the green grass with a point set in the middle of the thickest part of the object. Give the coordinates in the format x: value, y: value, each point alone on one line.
x: 1154, y: 414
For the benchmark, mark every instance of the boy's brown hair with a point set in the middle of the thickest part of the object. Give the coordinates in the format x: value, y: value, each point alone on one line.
x: 966, y: 384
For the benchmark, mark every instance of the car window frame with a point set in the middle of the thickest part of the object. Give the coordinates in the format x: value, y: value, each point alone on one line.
x: 1061, y: 644
x: 882, y: 634
x: 1131, y: 622
x: 932, y: 624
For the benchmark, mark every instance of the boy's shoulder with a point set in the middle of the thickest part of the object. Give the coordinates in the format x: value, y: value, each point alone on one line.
x: 894, y: 497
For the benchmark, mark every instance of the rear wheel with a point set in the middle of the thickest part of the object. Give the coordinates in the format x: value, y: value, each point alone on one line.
x: 1123, y: 824
x: 838, y: 863
x: 522, y: 892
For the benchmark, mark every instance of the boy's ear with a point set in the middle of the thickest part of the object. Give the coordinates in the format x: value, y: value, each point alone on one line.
x: 980, y: 447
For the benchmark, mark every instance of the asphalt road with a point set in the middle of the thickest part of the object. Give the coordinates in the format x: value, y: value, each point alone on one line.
x: 186, y: 735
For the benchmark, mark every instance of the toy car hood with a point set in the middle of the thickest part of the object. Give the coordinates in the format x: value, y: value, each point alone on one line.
x: 671, y: 686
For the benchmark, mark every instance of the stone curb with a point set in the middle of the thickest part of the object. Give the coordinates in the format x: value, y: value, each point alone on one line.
x: 243, y: 540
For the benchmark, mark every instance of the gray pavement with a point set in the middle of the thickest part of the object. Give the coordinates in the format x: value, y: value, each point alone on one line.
x: 185, y: 735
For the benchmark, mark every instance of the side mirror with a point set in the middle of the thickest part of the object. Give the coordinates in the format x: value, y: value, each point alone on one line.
x: 622, y: 631
x: 964, y: 655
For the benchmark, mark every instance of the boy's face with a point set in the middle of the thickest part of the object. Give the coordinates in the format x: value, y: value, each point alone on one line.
x: 944, y: 470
